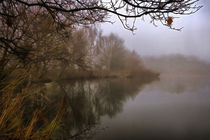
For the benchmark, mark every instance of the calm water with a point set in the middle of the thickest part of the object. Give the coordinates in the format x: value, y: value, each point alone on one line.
x: 173, y: 107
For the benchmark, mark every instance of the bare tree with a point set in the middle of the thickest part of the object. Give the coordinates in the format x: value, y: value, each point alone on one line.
x: 111, y: 53
x: 163, y: 11
x: 89, y: 11
x: 69, y: 13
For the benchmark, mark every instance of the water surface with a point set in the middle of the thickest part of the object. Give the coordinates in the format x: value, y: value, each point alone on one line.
x: 175, y: 107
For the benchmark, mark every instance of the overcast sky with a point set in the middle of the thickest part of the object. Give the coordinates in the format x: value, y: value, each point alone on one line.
x: 194, y: 39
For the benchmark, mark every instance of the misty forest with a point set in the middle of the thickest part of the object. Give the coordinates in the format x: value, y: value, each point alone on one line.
x: 70, y: 70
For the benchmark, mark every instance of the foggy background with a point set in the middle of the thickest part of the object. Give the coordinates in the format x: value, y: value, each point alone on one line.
x: 148, y: 40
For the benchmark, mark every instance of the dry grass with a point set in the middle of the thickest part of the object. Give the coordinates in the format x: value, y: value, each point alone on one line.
x: 15, y: 121
x: 13, y: 126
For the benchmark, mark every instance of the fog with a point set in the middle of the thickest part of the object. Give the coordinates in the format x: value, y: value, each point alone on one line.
x: 193, y: 39
x: 177, y: 64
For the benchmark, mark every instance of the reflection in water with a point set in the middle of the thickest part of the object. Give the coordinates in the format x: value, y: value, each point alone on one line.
x: 176, y: 107
x: 85, y: 102
x: 158, y: 113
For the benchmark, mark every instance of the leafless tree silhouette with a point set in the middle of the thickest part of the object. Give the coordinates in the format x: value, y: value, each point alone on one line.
x: 15, y: 21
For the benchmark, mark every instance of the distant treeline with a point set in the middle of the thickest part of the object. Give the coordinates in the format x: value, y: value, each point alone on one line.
x: 177, y: 64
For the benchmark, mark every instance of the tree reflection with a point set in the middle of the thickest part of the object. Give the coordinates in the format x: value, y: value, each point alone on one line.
x: 84, y: 102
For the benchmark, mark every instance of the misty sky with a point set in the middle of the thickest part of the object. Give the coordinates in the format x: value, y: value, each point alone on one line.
x: 194, y: 39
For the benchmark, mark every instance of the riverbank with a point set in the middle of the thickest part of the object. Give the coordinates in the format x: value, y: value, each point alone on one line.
x: 91, y: 75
